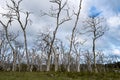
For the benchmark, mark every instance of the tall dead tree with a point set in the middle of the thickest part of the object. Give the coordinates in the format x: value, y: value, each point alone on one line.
x: 95, y: 26
x: 9, y: 37
x: 23, y: 22
x: 56, y: 13
x: 73, y: 34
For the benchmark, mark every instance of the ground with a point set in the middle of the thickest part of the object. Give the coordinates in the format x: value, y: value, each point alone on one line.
x: 58, y: 76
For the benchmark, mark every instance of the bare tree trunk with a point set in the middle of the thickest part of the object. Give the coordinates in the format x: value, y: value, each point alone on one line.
x: 78, y: 68
x: 89, y: 66
x: 26, y: 50
x: 94, y: 46
x: 14, y: 61
x: 3, y: 60
x: 19, y: 62
x: 78, y: 63
x: 56, y: 62
x: 95, y: 67
x: 68, y: 67
x: 48, y: 62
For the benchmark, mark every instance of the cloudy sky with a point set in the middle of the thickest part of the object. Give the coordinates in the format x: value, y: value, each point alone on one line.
x: 109, y: 9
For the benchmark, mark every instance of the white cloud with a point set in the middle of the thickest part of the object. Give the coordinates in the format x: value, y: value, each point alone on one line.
x: 116, y: 51
x: 114, y: 21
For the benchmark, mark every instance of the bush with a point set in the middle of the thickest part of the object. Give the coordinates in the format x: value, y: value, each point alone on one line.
x: 73, y: 75
x: 1, y: 68
x: 23, y: 67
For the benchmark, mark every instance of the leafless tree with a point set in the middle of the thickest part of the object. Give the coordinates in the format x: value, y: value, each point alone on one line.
x: 77, y: 47
x: 56, y: 13
x: 9, y: 37
x: 63, y: 56
x: 19, y: 51
x: 3, y: 48
x: 42, y: 44
x: 16, y: 13
x: 39, y: 60
x: 73, y: 33
x: 5, y: 54
x: 100, y: 60
x: 95, y: 26
x: 88, y: 59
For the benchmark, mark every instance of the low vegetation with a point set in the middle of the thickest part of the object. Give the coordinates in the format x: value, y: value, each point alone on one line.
x: 58, y: 76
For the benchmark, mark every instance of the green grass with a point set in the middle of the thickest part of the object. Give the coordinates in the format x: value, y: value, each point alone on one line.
x: 58, y: 76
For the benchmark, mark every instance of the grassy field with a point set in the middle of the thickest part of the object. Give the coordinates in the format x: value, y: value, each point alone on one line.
x: 58, y: 76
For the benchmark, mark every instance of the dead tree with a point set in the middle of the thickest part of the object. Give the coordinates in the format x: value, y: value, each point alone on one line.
x: 88, y: 60
x: 33, y: 59
x: 16, y: 14
x: 3, y: 48
x: 100, y: 59
x: 95, y: 26
x: 73, y: 33
x: 19, y: 51
x: 5, y: 51
x: 56, y: 13
x: 43, y: 43
x: 9, y: 37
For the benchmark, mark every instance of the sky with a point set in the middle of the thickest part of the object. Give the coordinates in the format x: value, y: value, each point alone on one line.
x: 109, y: 9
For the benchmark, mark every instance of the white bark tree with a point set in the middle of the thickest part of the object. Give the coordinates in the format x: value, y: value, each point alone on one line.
x: 16, y: 14
x: 73, y: 34
x: 56, y: 13
x: 88, y: 60
x: 95, y: 26
x: 9, y: 37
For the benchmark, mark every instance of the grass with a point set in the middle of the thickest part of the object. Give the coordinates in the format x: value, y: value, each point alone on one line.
x: 58, y: 76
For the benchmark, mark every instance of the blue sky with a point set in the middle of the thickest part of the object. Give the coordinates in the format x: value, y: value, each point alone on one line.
x: 109, y: 9
x: 94, y: 12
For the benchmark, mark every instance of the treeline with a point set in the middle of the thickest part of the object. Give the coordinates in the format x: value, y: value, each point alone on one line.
x: 49, y: 52
x: 110, y: 67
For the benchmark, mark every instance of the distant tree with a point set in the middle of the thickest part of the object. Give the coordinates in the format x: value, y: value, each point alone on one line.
x: 63, y: 56
x: 88, y: 60
x: 77, y: 47
x: 3, y: 48
x: 20, y: 53
x: 100, y: 60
